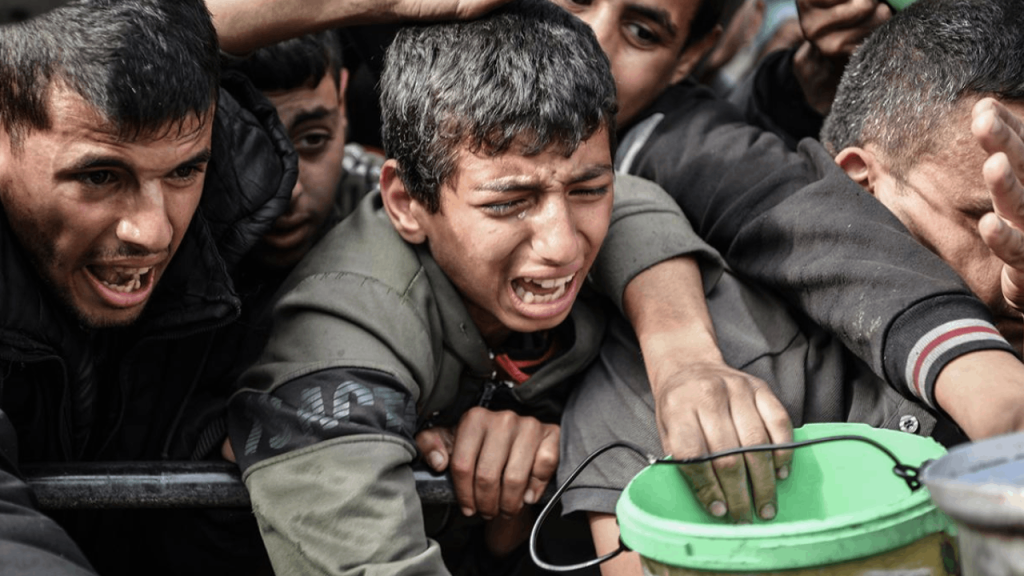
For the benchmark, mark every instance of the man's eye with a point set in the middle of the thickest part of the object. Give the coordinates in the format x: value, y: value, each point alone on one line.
x: 187, y: 172
x: 97, y: 177
x: 311, y: 142
x: 643, y: 34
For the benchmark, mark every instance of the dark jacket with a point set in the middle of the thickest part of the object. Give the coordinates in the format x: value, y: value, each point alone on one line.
x: 148, y: 391
x: 794, y: 223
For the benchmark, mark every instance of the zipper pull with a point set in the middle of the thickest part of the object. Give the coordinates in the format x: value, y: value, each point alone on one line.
x: 488, y: 393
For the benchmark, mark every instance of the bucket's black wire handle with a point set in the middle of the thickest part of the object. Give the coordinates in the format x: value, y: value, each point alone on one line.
x: 908, y: 473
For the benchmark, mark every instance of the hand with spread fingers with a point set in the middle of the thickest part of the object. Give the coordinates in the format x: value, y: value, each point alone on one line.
x: 710, y: 407
x: 500, y: 464
x: 833, y: 29
x: 1000, y: 133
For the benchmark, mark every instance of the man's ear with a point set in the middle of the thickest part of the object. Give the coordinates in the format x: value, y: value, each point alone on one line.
x: 342, y: 109
x: 861, y: 166
x: 405, y: 212
x: 342, y: 86
x: 693, y: 55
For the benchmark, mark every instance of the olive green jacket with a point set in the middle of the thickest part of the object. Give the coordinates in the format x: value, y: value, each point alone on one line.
x: 370, y: 339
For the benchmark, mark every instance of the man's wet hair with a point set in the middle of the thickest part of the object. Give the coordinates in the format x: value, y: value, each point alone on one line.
x: 904, y: 85
x: 528, y: 75
x: 294, y: 63
x: 145, y: 65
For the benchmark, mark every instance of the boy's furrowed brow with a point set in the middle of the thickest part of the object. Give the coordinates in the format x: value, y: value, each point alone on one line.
x: 530, y: 184
x: 592, y: 172
x: 657, y: 15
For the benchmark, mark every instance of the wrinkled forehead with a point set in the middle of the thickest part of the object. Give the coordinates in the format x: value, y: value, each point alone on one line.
x: 69, y: 111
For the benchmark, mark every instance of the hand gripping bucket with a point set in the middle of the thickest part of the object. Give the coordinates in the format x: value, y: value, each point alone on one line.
x: 844, y: 510
x: 981, y: 486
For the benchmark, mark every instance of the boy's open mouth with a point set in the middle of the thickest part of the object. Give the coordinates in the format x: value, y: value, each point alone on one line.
x: 533, y: 291
x: 120, y: 278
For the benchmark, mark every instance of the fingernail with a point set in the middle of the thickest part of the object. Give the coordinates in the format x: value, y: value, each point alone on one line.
x: 467, y: 511
x: 783, y: 472
x: 718, y: 509
x: 768, y: 511
x: 436, y: 460
x: 530, y: 497
x: 487, y: 518
x: 744, y: 522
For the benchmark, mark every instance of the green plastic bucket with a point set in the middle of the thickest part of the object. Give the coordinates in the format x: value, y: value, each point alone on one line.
x: 841, y: 511
x: 899, y: 4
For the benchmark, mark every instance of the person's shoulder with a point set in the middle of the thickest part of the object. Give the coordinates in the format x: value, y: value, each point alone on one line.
x: 362, y: 250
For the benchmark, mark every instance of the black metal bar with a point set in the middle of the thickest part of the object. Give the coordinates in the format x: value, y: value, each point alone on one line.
x: 167, y: 485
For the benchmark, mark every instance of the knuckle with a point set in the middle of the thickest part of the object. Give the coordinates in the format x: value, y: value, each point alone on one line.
x: 728, y: 465
x: 514, y: 483
x: 487, y: 480
x: 547, y: 458
x: 461, y: 467
x: 511, y: 508
x: 508, y: 418
x: 707, y: 494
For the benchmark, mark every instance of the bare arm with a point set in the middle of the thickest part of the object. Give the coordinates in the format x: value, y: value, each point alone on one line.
x: 605, y: 531
x: 701, y: 404
x: 245, y: 25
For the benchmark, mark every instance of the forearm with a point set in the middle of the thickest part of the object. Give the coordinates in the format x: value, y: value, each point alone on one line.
x: 245, y: 25
x: 983, y: 392
x: 647, y: 228
x: 343, y: 507
x: 666, y: 307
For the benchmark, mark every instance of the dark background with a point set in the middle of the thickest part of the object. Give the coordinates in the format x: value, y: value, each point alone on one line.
x: 14, y: 10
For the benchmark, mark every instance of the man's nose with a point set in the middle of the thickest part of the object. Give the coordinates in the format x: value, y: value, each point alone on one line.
x: 146, y: 224
x: 602, y: 21
x: 554, y: 234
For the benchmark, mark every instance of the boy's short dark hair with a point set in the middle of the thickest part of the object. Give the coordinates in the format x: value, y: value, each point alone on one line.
x: 294, y: 63
x: 902, y: 85
x: 141, y: 63
x: 528, y: 75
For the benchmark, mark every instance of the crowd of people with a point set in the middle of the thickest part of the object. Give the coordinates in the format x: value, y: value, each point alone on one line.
x: 577, y: 229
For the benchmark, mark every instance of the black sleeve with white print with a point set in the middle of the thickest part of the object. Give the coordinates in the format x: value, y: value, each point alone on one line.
x: 316, y: 407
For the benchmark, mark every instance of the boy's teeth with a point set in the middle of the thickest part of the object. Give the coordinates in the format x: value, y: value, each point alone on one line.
x: 531, y: 298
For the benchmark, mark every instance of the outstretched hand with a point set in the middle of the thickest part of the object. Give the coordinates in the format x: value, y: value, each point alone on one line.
x: 1000, y: 133
x: 833, y: 29
x: 709, y: 407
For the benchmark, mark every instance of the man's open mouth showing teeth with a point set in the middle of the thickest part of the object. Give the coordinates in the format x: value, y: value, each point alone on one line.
x: 120, y: 278
x: 541, y: 291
